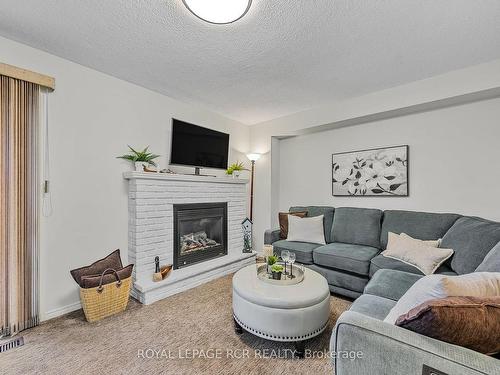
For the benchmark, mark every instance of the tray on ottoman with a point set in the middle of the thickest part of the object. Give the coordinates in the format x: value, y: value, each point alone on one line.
x: 286, y: 279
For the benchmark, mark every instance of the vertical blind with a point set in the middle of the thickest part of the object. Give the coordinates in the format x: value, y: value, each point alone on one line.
x: 19, y: 184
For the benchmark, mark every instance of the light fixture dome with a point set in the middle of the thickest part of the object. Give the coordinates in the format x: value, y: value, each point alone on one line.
x: 253, y: 156
x: 218, y: 11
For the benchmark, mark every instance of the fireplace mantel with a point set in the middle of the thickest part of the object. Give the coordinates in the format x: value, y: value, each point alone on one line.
x: 183, y: 177
x: 151, y: 198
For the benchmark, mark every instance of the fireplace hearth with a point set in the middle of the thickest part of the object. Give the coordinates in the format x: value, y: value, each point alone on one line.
x: 200, y: 232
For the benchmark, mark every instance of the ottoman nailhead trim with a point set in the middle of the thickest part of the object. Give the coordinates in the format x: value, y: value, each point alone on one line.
x: 269, y: 336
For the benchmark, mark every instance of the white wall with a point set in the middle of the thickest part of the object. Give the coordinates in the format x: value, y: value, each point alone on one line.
x: 92, y: 118
x: 467, y: 85
x: 452, y: 163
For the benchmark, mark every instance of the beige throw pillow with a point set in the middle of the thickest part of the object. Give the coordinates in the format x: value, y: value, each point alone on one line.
x: 416, y: 253
x: 431, y: 243
x: 477, y: 284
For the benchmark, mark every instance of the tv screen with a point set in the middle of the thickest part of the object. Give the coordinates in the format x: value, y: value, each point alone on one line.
x: 197, y: 146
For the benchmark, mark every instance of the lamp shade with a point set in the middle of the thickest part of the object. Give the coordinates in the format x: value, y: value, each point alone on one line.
x: 218, y: 11
x: 253, y: 157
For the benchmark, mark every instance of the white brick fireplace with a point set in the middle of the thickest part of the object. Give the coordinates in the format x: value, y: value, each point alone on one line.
x: 151, y: 227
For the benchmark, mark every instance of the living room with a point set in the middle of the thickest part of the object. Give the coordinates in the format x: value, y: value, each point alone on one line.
x: 287, y: 101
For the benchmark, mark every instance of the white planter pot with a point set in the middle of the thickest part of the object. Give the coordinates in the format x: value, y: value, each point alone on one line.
x: 139, y: 166
x: 236, y: 174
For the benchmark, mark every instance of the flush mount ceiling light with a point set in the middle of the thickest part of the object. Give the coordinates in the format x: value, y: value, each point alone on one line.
x: 218, y: 11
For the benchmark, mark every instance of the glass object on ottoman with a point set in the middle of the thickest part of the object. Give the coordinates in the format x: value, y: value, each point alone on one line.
x: 285, y: 255
x: 291, y: 259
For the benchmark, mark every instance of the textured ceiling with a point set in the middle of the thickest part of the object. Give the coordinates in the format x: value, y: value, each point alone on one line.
x: 284, y: 56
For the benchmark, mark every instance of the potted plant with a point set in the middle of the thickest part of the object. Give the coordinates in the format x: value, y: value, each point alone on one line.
x: 271, y: 259
x: 235, y: 169
x: 277, y: 269
x: 140, y: 159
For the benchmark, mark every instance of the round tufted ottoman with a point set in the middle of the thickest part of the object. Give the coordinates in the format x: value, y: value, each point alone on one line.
x: 292, y: 313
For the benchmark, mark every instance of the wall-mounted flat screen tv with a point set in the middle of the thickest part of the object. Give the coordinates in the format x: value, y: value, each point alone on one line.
x: 197, y: 146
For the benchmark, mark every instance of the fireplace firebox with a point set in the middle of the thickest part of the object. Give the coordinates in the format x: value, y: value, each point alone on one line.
x: 200, y: 232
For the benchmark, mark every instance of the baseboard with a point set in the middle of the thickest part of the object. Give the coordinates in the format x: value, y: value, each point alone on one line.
x: 51, y: 314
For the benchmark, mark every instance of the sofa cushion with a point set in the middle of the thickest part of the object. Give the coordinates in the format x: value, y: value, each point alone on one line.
x: 471, y: 238
x: 341, y: 279
x: 471, y: 322
x: 326, y: 211
x: 491, y: 262
x: 391, y: 284
x: 381, y: 262
x: 344, y: 256
x: 419, y: 225
x: 303, y: 250
x: 360, y: 226
x: 283, y: 220
x: 373, y: 306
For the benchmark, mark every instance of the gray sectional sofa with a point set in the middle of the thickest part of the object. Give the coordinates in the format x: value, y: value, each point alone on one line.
x: 355, y: 238
x: 388, y: 349
x: 353, y: 266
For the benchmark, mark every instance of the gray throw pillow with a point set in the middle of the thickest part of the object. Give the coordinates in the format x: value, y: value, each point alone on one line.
x: 491, y: 262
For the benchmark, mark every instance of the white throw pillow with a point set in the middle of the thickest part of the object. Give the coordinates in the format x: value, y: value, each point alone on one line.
x: 306, y: 229
x: 477, y: 284
x: 416, y: 253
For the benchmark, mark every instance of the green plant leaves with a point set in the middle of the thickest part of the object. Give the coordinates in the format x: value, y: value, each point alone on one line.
x: 277, y: 268
x: 238, y: 166
x: 140, y: 156
x: 272, y: 259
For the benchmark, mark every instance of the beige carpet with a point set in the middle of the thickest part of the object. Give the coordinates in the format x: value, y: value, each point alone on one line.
x: 198, y: 319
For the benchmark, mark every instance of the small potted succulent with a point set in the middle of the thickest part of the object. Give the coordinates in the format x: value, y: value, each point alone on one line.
x: 141, y: 159
x: 271, y: 260
x: 277, y: 269
x: 235, y: 169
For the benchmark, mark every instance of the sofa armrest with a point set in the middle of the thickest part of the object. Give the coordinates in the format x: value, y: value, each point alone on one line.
x: 271, y: 236
x: 387, y: 349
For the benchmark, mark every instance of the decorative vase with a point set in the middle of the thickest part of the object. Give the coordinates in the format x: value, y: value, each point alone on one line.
x: 276, y: 275
x: 236, y: 174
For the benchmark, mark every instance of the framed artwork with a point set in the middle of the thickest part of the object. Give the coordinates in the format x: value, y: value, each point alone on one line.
x: 379, y: 172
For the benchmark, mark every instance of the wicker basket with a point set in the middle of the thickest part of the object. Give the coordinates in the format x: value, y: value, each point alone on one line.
x: 105, y: 300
